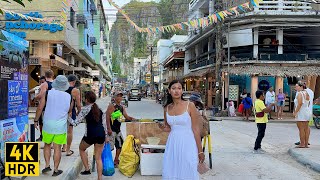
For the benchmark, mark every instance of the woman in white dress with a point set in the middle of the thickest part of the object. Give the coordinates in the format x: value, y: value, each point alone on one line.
x: 183, y: 149
x: 302, y: 114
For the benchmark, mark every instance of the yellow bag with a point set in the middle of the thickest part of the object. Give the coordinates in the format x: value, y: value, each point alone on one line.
x: 129, y: 156
x: 311, y: 122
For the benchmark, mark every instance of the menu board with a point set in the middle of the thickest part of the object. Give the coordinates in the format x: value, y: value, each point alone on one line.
x: 14, y: 56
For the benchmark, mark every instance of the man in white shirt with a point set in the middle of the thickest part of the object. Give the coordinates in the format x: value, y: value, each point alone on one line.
x: 270, y: 99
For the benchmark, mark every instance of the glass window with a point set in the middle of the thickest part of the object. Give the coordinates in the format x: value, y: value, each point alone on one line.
x: 72, y: 17
x: 87, y: 40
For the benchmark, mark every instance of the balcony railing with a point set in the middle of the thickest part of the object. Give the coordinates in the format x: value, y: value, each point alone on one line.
x: 203, y: 60
x: 282, y: 7
x: 193, y: 3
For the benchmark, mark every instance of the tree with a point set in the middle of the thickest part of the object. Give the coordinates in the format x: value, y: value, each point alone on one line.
x: 21, y: 2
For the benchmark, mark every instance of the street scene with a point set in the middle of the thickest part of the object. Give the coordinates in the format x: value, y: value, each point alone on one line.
x: 160, y: 89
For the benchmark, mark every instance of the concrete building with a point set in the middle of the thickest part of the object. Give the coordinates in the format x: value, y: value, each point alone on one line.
x: 171, y: 54
x: 274, y: 45
x: 66, y: 48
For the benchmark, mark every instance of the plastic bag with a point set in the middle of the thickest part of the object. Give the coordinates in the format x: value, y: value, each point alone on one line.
x: 129, y: 157
x: 241, y: 108
x: 107, y: 162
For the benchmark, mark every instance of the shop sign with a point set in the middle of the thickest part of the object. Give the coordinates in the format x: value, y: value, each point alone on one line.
x: 14, y: 21
x: 33, y: 61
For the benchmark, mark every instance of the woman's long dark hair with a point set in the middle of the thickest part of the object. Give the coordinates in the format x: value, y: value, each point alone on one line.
x: 169, y: 99
x: 91, y: 98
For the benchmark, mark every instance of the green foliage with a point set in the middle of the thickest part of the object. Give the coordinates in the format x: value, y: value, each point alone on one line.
x: 21, y: 2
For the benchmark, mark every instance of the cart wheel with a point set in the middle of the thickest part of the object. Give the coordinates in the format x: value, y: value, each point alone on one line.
x: 317, y: 122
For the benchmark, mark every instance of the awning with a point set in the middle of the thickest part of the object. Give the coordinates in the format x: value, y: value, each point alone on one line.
x: 293, y: 71
x: 199, y: 73
x: 176, y: 55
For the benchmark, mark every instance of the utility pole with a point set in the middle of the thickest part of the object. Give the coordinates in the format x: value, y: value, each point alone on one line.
x: 219, y: 48
x: 151, y: 71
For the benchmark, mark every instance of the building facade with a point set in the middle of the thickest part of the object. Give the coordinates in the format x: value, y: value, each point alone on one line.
x: 64, y: 42
x: 275, y: 45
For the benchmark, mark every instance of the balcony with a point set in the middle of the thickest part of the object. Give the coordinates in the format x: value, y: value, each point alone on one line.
x: 197, y: 4
x: 203, y: 60
x: 283, y: 7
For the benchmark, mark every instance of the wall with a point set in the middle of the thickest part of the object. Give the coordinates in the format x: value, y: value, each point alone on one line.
x: 47, y: 8
x: 164, y: 49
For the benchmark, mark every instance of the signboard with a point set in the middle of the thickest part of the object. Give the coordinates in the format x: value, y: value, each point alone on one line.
x: 15, y: 21
x: 33, y: 61
x: 233, y: 92
x: 13, y: 89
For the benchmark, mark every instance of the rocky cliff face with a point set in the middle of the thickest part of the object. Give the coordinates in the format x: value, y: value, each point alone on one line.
x: 127, y: 43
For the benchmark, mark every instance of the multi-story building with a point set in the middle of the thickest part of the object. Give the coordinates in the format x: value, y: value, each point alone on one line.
x: 64, y: 42
x: 274, y: 45
x: 171, y: 54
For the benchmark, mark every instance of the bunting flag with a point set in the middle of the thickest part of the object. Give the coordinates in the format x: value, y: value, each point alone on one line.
x: 196, y: 23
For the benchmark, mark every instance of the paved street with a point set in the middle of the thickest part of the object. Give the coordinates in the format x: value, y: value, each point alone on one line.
x: 233, y: 143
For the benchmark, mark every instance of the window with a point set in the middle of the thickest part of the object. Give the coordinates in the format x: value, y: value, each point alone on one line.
x: 87, y: 40
x: 31, y: 48
x: 92, y: 49
x: 92, y: 18
x: 72, y: 16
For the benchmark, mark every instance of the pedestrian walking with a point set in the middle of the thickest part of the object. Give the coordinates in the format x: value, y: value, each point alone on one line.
x: 44, y: 87
x: 76, y: 97
x: 58, y: 104
x: 270, y: 99
x: 95, y: 132
x: 261, y: 117
x: 302, y: 114
x: 114, y: 122
x: 281, y: 98
x: 183, y: 151
x: 247, y: 103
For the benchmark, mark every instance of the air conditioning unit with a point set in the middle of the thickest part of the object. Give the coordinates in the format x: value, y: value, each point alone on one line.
x: 71, y: 60
x: 93, y: 9
x: 81, y: 19
x: 93, y: 40
x: 101, y: 51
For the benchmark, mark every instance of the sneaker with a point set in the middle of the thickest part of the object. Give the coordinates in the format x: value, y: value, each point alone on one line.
x: 57, y: 173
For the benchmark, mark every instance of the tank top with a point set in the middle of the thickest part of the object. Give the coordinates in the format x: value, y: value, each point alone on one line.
x: 281, y: 97
x: 116, y: 125
x: 49, y: 85
x: 74, y: 114
x: 94, y: 128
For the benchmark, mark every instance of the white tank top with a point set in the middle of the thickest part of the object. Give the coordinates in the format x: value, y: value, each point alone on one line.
x: 56, y: 113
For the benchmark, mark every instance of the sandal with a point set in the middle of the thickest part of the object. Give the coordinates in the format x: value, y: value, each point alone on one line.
x: 45, y: 170
x: 71, y: 152
x: 85, y: 172
x: 116, y: 163
x: 57, y: 173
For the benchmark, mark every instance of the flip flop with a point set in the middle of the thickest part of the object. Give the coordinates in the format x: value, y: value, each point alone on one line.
x: 300, y: 147
x: 69, y: 154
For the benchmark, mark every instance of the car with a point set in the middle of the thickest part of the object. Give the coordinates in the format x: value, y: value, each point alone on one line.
x: 134, y: 93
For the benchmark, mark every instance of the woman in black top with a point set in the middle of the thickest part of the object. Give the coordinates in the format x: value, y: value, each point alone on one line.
x: 95, y: 132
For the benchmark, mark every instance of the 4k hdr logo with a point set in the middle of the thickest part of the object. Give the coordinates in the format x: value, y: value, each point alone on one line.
x: 22, y: 159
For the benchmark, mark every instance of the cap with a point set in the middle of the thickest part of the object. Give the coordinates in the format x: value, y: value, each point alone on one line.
x: 72, y: 77
x: 117, y: 93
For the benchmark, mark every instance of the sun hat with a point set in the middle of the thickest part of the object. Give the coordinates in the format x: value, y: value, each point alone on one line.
x: 60, y: 83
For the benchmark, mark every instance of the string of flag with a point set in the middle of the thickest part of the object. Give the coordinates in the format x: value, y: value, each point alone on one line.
x: 196, y: 23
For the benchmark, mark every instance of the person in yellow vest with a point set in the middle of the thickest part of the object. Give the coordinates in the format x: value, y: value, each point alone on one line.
x: 261, y: 116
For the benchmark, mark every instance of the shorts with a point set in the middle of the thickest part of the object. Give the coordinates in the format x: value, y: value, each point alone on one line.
x: 280, y: 103
x: 59, y: 139
x: 93, y: 140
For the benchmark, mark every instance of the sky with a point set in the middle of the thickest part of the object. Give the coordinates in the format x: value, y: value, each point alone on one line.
x: 111, y: 12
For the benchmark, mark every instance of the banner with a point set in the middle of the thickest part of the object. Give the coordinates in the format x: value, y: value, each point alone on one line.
x: 196, y: 23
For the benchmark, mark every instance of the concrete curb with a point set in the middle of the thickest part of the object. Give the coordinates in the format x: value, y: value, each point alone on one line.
x: 251, y: 120
x: 303, y: 160
x: 73, y: 172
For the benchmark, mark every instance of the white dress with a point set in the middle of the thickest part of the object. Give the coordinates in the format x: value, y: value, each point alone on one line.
x: 181, y: 154
x: 304, y: 113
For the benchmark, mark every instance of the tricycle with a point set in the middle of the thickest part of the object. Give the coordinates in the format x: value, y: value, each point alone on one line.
x: 316, y: 114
